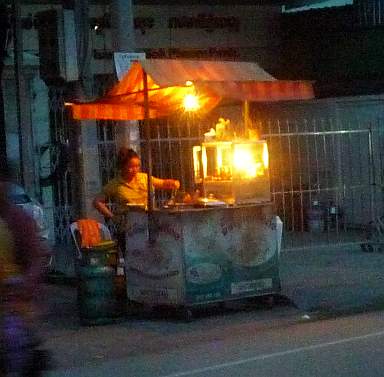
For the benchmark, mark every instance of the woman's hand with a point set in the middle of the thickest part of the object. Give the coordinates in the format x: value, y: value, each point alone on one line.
x: 100, y: 204
x: 166, y: 184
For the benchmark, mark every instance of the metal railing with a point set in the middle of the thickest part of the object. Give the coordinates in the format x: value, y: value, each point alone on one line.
x: 326, y: 176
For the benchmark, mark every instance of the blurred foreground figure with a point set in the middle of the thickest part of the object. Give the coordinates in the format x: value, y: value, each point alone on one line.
x: 21, y: 256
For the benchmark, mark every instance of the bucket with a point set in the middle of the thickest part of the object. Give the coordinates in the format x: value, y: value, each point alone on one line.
x: 103, y: 254
x: 101, y: 297
x: 97, y: 300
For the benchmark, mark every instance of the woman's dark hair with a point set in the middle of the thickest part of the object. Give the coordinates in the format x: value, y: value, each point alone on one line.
x: 124, y: 155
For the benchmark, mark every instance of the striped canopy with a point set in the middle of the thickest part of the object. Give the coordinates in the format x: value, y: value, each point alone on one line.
x: 169, y: 81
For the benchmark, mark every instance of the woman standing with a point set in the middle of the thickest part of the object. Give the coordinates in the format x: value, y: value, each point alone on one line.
x: 130, y: 186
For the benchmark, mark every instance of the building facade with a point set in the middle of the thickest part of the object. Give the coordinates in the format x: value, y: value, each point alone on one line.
x: 69, y: 161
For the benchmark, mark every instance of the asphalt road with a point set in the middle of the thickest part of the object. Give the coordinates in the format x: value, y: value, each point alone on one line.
x: 347, y: 346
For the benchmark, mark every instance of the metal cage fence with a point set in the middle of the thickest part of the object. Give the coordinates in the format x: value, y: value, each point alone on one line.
x: 326, y: 176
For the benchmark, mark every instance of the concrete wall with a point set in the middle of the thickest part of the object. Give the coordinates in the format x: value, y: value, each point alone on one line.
x: 257, y: 37
x: 37, y: 94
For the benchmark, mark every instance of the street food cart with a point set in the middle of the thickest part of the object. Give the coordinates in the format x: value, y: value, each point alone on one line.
x: 203, y: 255
x: 223, y: 243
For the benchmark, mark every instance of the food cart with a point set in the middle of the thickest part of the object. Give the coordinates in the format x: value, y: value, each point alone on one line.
x: 224, y: 243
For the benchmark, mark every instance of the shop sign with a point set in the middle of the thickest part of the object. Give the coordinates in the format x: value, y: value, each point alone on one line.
x: 124, y: 60
x: 194, y: 53
x: 209, y: 22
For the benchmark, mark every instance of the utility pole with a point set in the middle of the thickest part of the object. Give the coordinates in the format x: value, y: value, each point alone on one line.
x: 123, y: 40
x: 3, y: 40
x: 25, y: 134
x: 82, y: 89
x: 122, y: 25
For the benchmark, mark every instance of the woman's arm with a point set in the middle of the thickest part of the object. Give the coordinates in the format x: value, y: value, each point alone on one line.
x: 100, y: 204
x: 165, y: 184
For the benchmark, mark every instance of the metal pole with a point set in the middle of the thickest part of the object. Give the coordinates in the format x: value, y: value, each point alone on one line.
x: 80, y: 138
x: 372, y: 175
x: 147, y: 131
x: 122, y: 27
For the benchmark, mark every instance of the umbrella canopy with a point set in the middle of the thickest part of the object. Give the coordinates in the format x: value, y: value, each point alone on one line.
x: 169, y: 81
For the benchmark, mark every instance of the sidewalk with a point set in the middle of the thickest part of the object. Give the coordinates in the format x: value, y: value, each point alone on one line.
x: 333, y: 280
x: 326, y: 279
x: 319, y: 282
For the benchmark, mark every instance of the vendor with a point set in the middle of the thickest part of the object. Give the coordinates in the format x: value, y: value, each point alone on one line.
x: 130, y: 186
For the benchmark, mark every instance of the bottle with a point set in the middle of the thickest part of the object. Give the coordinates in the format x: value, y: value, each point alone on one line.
x: 315, y: 217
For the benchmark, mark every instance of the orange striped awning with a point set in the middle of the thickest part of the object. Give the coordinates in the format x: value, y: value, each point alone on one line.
x: 167, y: 86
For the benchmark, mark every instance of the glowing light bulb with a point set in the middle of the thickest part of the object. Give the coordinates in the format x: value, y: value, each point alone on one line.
x: 191, y: 102
x: 244, y: 163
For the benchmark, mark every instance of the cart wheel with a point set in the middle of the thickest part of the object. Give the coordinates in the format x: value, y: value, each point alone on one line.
x: 186, y: 314
x: 269, y: 301
x: 147, y: 310
x: 366, y: 248
x: 134, y: 308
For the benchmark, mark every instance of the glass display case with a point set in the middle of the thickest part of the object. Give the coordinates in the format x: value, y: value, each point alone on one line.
x: 236, y: 172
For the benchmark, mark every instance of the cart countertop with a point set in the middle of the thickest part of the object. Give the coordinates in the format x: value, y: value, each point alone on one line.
x: 177, y: 209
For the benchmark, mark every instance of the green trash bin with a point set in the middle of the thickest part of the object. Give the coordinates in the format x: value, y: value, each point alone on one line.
x: 103, y: 254
x: 98, y: 302
x: 96, y: 297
